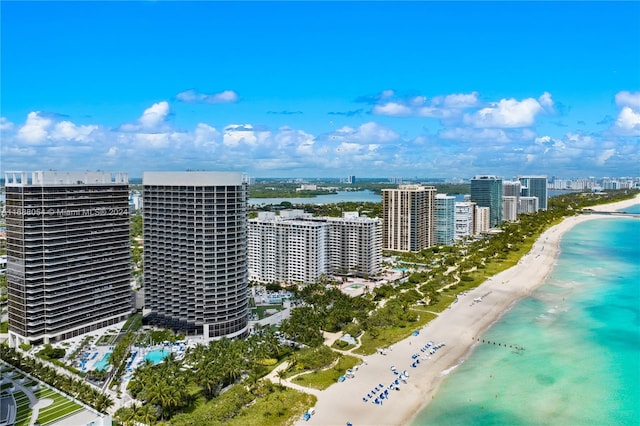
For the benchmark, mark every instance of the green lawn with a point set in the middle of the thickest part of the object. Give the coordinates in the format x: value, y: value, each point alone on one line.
x: 106, y: 340
x: 387, y: 336
x: 61, y: 407
x: 260, y: 310
x: 444, y: 301
x: 23, y: 416
x: 324, y: 378
x: 276, y: 409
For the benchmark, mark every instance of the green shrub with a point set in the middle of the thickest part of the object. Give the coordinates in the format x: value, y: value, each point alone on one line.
x: 51, y: 353
x: 341, y: 344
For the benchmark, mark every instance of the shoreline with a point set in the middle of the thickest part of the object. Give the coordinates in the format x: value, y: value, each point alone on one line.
x: 457, y: 327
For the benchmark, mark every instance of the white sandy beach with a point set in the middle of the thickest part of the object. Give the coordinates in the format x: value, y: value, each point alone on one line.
x: 457, y: 327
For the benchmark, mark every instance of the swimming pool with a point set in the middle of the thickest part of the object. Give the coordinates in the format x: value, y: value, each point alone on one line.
x: 157, y: 356
x: 103, y: 363
x: 354, y: 286
x: 401, y: 269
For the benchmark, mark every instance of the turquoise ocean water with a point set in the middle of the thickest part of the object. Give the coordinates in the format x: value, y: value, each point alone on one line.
x: 581, y: 334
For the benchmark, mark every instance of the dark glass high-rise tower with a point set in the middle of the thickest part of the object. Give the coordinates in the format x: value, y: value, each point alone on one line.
x: 535, y: 186
x: 68, y: 253
x: 195, y: 252
x: 486, y: 191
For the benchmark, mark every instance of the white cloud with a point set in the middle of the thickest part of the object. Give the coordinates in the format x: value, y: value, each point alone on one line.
x: 373, y: 132
x: 153, y: 140
x: 628, y: 122
x: 580, y: 140
x: 66, y: 130
x: 508, y: 113
x: 152, y: 119
x: 542, y: 140
x: 546, y: 101
x: 5, y: 124
x: 605, y: 155
x: 205, y: 135
x: 155, y: 115
x: 439, y: 113
x: 370, y: 132
x: 370, y: 148
x: 191, y: 96
x: 349, y: 148
x: 392, y: 108
x: 35, y: 129
x: 299, y: 140
x: 441, y: 107
x: 577, y: 153
x: 418, y: 100
x: 628, y: 99
x: 243, y: 134
x: 458, y: 100
x: 475, y: 135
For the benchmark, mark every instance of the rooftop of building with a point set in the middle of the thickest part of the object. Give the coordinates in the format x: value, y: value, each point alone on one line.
x: 192, y: 178
x: 55, y: 177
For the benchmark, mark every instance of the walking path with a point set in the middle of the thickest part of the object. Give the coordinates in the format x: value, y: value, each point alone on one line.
x: 42, y: 403
x: 329, y: 339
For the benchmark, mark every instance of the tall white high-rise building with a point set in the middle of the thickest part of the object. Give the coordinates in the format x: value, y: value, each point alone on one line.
x: 528, y: 205
x: 354, y: 245
x: 509, y: 208
x: 464, y: 217
x: 482, y: 221
x: 408, y: 218
x: 297, y: 247
x: 286, y: 248
x: 445, y: 206
x: 68, y: 254
x: 195, y: 252
x: 510, y: 188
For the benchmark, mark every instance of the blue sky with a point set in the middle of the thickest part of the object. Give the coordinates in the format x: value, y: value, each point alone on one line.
x: 327, y: 89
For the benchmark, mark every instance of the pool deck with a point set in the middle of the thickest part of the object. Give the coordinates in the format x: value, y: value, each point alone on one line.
x: 140, y: 353
x: 386, y: 277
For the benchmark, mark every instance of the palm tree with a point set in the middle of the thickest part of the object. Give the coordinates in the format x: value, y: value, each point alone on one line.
x: 282, y: 374
x: 253, y: 379
x: 76, y: 387
x: 293, y: 360
x: 127, y: 415
x: 103, y: 402
x: 147, y: 414
x: 210, y: 380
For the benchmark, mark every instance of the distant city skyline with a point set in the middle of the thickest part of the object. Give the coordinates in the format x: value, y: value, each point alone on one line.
x: 322, y: 89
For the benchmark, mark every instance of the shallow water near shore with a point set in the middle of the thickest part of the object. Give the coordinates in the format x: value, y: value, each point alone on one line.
x: 581, y: 337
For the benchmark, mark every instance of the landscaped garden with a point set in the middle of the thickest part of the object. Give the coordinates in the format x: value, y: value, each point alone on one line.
x: 59, y: 407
